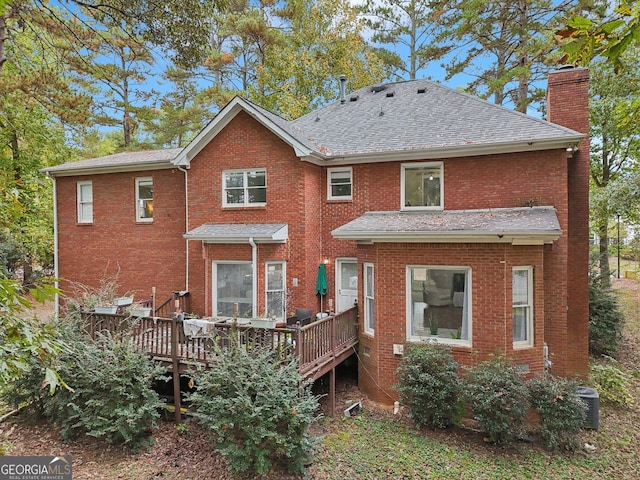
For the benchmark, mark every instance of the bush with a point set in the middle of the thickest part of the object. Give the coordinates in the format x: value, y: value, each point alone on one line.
x: 498, y: 397
x: 560, y: 409
x: 428, y: 381
x: 605, y: 320
x: 611, y: 384
x: 256, y: 410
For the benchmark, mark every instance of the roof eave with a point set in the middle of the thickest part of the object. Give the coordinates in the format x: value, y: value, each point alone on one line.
x: 514, y: 238
x: 228, y: 113
x: 452, y: 151
x: 234, y: 239
x: 97, y: 170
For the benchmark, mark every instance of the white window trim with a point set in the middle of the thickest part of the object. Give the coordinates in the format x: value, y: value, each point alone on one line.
x: 246, y: 203
x: 404, y: 166
x: 139, y: 200
x: 330, y: 196
x: 367, y: 313
x: 409, y: 313
x: 282, y: 314
x: 81, y: 202
x: 529, y: 342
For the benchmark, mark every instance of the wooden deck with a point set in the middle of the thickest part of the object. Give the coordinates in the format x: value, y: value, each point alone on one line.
x: 319, y: 346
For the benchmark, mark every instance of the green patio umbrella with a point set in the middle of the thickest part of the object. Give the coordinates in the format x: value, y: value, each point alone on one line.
x: 321, y: 283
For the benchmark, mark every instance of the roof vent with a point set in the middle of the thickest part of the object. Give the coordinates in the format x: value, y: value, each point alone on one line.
x: 378, y: 88
x: 390, y: 94
x: 354, y: 98
x: 422, y: 90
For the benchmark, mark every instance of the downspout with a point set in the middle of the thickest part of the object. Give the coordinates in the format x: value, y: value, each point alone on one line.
x: 254, y: 266
x: 55, y: 243
x: 186, y: 226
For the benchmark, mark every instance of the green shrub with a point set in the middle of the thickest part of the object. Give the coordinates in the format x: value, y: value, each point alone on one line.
x: 560, y: 409
x: 611, y: 384
x: 256, y: 410
x: 605, y: 320
x: 110, y: 393
x: 498, y: 397
x: 428, y: 381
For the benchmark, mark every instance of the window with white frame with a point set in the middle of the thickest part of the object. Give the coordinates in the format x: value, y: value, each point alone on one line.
x: 144, y: 199
x: 522, y: 304
x: 339, y: 183
x: 421, y: 186
x: 275, y: 289
x: 369, y: 312
x: 439, y: 304
x: 244, y: 187
x: 233, y: 286
x: 85, y: 202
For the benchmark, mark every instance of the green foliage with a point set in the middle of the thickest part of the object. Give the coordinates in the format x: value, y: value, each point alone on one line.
x: 498, y: 397
x: 605, y: 320
x: 428, y: 381
x: 24, y: 339
x: 560, y: 410
x: 611, y: 384
x: 110, y: 394
x: 256, y: 410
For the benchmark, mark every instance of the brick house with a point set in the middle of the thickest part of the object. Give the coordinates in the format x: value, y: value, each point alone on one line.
x: 427, y: 206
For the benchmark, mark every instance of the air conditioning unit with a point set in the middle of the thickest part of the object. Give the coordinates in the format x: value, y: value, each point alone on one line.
x: 592, y: 399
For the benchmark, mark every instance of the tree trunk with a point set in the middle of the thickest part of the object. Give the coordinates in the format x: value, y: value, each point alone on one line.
x: 605, y: 271
x: 3, y: 38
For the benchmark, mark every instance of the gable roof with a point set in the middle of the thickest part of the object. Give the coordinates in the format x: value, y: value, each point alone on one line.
x: 118, y: 162
x: 408, y: 120
x: 518, y: 226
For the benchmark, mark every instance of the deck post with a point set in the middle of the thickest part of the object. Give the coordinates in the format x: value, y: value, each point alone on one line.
x: 176, y: 370
x: 332, y: 392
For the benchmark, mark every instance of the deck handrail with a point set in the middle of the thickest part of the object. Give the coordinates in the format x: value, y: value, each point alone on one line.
x: 164, y: 338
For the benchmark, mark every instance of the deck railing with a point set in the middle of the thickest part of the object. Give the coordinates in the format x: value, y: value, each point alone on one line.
x: 164, y: 339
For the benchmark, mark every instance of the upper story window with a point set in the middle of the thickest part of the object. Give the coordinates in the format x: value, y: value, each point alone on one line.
x: 339, y: 183
x: 144, y: 199
x: 522, y: 304
x: 244, y: 187
x: 85, y: 202
x: 421, y: 186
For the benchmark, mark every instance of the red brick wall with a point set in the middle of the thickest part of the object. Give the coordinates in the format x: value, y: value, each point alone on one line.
x: 491, y: 276
x: 293, y: 197
x: 568, y: 105
x: 143, y: 255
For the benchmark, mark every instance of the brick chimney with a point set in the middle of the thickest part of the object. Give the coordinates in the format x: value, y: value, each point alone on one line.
x: 568, y: 105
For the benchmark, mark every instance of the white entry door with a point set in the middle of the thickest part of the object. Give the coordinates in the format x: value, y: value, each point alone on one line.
x: 346, y: 283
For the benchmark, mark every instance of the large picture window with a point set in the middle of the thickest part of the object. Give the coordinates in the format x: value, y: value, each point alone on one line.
x: 439, y: 304
x: 233, y: 285
x: 244, y: 187
x: 85, y: 202
x: 144, y: 199
x: 421, y: 186
x: 369, y: 311
x: 275, y: 291
x: 522, y: 302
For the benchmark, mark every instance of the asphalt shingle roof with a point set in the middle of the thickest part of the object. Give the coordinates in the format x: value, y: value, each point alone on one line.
x: 142, y: 158
x: 525, y: 221
x: 261, y: 232
x: 396, y: 117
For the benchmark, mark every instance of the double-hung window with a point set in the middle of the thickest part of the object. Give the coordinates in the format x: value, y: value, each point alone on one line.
x: 243, y: 188
x: 275, y: 291
x: 421, y: 186
x: 439, y: 304
x: 339, y: 183
x: 369, y: 312
x: 522, y: 303
x: 144, y: 199
x: 85, y: 202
